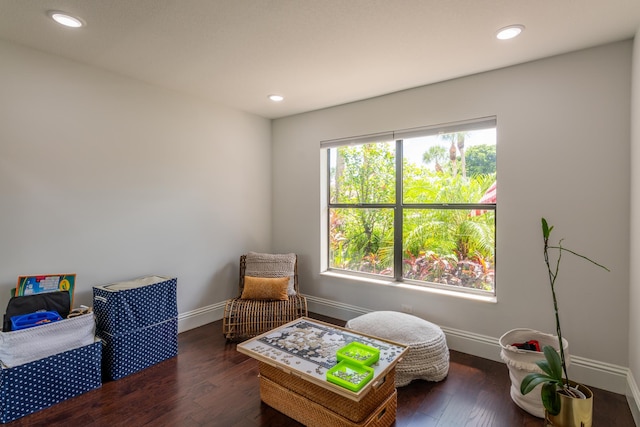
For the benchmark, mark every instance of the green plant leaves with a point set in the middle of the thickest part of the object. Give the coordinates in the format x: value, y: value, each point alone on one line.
x: 546, y: 230
x: 550, y: 398
x: 554, y: 363
x: 550, y: 380
x: 532, y: 380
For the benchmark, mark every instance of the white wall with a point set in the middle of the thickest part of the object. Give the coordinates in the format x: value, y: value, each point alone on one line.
x: 634, y: 291
x: 112, y: 179
x: 563, y: 153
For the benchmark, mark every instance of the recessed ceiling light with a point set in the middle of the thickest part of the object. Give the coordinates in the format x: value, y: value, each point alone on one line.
x: 509, y: 32
x: 66, y: 19
x: 276, y: 98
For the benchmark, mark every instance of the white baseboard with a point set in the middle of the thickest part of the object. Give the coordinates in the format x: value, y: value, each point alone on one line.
x: 199, y: 317
x: 334, y: 309
x: 597, y: 374
x: 633, y: 397
x: 472, y: 343
x: 606, y: 376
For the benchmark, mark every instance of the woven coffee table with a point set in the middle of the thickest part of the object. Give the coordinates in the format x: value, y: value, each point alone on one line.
x: 293, y: 361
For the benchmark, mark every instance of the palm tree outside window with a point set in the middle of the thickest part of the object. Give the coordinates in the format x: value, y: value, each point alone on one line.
x: 416, y: 206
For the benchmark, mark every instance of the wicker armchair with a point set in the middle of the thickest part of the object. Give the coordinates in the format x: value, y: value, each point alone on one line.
x: 246, y: 318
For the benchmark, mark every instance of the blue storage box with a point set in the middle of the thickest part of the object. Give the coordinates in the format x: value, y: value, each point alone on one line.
x: 130, y: 352
x: 32, y: 320
x: 138, y: 322
x: 28, y: 388
x: 126, y: 306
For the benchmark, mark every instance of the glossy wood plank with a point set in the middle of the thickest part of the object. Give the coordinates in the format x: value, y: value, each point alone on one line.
x: 212, y: 384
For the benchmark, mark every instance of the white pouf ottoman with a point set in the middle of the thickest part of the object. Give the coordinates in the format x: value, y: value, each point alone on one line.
x: 428, y: 354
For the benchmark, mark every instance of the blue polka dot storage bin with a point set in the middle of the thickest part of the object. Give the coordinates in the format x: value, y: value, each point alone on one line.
x: 126, y: 306
x: 137, y: 321
x: 133, y: 351
x: 28, y: 388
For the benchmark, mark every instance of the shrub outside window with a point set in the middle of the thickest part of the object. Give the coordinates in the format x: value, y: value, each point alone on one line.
x: 417, y: 206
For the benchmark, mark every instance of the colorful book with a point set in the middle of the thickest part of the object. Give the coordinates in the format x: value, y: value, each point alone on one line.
x: 30, y: 285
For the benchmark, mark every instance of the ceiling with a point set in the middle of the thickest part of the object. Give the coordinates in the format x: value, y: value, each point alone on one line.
x: 316, y: 53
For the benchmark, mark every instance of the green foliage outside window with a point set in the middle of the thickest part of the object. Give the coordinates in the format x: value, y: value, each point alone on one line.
x: 481, y: 159
x: 444, y: 239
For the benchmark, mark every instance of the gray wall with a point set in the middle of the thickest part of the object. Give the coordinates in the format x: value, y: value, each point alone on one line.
x: 634, y: 298
x: 563, y: 153
x: 112, y: 179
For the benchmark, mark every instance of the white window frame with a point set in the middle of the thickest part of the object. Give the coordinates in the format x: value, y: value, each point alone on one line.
x: 398, y: 206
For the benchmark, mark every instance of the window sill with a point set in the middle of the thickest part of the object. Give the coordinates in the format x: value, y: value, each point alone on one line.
x: 405, y: 285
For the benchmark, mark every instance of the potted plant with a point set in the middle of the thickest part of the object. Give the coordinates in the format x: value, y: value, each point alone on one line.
x: 566, y: 403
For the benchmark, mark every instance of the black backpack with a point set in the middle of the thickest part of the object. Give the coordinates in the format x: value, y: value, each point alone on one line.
x: 58, y: 301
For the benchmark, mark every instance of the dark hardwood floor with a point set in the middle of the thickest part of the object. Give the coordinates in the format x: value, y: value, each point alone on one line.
x: 211, y: 384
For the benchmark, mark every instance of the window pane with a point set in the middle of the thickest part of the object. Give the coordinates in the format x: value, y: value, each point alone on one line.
x: 363, y: 174
x: 450, y: 168
x: 361, y: 239
x: 450, y: 247
x: 447, y: 205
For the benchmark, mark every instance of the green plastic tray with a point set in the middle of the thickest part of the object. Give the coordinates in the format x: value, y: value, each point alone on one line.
x: 358, y: 353
x: 350, y: 375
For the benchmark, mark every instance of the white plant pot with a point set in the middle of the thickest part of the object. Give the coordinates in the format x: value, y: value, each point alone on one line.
x: 523, y: 362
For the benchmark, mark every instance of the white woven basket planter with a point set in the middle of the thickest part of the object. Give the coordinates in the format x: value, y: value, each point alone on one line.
x: 523, y: 362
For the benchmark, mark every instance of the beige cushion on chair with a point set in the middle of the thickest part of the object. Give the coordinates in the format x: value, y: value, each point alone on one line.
x: 272, y: 265
x: 244, y: 318
x: 265, y: 288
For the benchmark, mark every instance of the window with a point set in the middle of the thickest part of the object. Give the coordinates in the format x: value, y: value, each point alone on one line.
x: 417, y: 206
